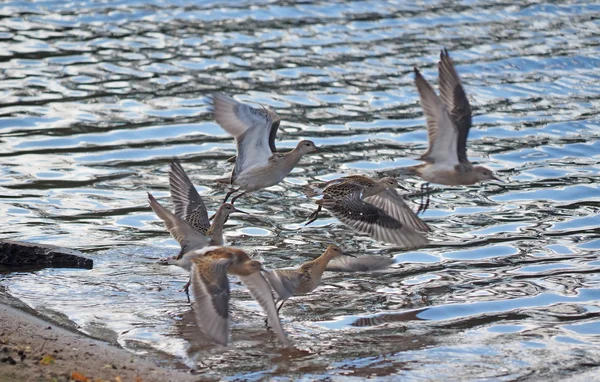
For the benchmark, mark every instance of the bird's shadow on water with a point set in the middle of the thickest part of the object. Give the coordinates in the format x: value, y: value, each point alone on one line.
x: 251, y: 348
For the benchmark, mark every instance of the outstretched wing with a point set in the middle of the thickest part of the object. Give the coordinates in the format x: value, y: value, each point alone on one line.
x: 186, y: 235
x: 261, y: 292
x: 456, y: 101
x: 188, y: 203
x: 283, y: 281
x: 251, y: 127
x: 442, y: 133
x: 392, y: 203
x: 210, y: 288
x: 272, y: 135
x: 366, y: 218
x: 359, y: 264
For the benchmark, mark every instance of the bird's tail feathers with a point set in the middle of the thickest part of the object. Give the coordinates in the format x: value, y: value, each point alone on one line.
x: 312, y: 190
x: 401, y: 171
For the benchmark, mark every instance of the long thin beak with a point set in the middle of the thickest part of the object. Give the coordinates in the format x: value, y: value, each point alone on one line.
x: 347, y: 254
x: 498, y: 179
x: 240, y: 211
x: 403, y: 188
x: 212, y: 217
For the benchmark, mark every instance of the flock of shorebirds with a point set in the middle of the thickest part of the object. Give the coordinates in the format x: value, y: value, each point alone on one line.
x: 369, y: 206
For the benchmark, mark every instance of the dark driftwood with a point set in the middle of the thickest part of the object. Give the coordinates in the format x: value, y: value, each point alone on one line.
x: 19, y: 255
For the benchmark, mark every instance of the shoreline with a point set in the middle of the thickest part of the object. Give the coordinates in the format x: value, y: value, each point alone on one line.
x: 34, y: 349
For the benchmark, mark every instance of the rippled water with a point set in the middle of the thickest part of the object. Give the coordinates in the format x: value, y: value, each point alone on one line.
x: 96, y: 97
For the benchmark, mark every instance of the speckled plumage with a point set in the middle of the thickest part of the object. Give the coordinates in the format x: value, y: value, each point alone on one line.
x: 188, y: 237
x: 373, y: 207
x: 187, y: 202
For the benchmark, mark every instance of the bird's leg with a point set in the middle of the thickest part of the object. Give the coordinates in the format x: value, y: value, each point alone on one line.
x: 229, y: 194
x: 313, y: 217
x: 278, y: 309
x: 237, y: 196
x: 424, y: 203
x: 421, y: 201
x: 280, y: 305
x: 428, y: 198
x: 186, y: 289
x: 425, y: 198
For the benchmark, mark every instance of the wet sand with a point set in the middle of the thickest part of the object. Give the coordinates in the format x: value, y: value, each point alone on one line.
x: 32, y: 349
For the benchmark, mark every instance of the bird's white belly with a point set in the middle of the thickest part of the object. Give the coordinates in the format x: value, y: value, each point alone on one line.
x: 440, y: 174
x: 258, y: 177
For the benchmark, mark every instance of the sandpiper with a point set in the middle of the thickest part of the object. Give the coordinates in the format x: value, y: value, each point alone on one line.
x: 448, y: 122
x: 188, y: 204
x: 210, y: 286
x: 306, y: 278
x: 257, y: 165
x: 187, y: 235
x: 370, y: 206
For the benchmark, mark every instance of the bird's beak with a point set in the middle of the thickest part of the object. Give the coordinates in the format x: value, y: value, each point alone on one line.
x: 498, y: 179
x: 402, y: 188
x: 240, y: 211
x: 347, y: 254
x: 263, y: 269
x: 212, y: 217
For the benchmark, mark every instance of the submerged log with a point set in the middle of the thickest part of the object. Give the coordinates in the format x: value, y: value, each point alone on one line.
x: 20, y: 255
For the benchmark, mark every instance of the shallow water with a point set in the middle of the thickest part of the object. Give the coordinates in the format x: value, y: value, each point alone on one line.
x: 97, y: 97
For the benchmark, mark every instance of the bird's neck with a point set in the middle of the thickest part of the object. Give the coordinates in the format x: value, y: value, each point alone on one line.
x: 373, y: 190
x: 215, y: 232
x: 320, y: 263
x: 291, y: 159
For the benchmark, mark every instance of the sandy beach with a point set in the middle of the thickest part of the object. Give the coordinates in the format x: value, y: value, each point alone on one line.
x: 32, y: 349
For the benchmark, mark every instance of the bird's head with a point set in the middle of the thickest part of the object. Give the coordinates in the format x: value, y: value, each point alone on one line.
x: 483, y: 173
x: 306, y: 147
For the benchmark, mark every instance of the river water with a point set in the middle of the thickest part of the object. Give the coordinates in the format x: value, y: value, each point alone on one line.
x: 96, y: 97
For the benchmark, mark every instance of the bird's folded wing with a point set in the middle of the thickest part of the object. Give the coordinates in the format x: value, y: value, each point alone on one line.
x: 359, y: 264
x: 366, y: 218
x: 394, y: 205
x: 186, y: 235
x: 456, y: 101
x: 443, y: 135
x: 251, y: 128
x: 210, y: 288
x: 284, y: 282
x: 261, y: 292
x: 188, y: 204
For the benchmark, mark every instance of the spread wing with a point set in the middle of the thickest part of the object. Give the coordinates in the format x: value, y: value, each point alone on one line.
x: 210, y: 288
x: 261, y: 292
x: 456, y: 101
x: 272, y: 135
x: 188, y: 203
x: 274, y: 128
x: 315, y: 189
x: 284, y: 282
x: 366, y: 218
x: 186, y: 235
x: 393, y: 204
x: 252, y: 129
x: 359, y: 264
x: 442, y: 133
